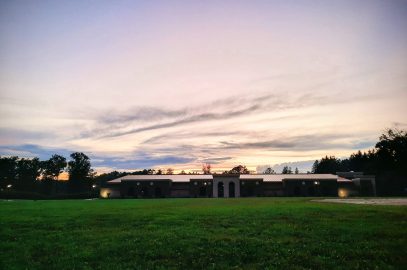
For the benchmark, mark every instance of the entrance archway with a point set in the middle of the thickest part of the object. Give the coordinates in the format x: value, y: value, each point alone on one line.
x: 231, y: 190
x: 221, y: 190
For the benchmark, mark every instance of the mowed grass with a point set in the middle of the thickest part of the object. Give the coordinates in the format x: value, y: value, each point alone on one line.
x: 249, y: 233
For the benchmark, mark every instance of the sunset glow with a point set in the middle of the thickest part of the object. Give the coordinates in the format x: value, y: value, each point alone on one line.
x: 158, y: 84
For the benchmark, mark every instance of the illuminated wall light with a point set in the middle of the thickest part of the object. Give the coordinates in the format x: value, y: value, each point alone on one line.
x: 105, y: 192
x: 343, y: 193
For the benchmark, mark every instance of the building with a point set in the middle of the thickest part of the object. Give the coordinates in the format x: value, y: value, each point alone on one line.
x: 235, y: 185
x: 356, y: 184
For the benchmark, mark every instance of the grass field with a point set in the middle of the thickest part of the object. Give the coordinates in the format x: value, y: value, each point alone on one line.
x: 255, y: 233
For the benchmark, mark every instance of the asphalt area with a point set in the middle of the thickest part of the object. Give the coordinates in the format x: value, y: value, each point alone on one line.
x: 370, y: 201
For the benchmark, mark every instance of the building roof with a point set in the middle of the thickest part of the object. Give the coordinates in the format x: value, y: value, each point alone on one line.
x: 188, y: 177
x: 344, y: 180
x: 280, y: 177
x: 172, y: 177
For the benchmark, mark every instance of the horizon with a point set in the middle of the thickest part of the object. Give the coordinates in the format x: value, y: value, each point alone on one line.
x: 138, y: 85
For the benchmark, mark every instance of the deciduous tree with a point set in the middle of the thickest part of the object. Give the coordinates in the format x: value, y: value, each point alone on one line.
x: 80, y: 172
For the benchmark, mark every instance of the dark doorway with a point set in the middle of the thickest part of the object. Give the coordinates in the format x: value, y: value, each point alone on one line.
x: 130, y: 192
x: 231, y: 190
x: 221, y: 190
x: 297, y: 191
x: 157, y: 192
x: 202, y: 192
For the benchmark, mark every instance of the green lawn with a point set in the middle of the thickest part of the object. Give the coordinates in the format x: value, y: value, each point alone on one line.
x: 255, y: 233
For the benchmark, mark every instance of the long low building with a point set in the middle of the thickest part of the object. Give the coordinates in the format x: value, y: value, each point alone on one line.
x: 234, y: 185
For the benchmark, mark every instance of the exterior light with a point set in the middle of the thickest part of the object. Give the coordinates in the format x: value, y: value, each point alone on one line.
x: 303, y: 183
x: 242, y: 183
x: 9, y: 186
x: 209, y: 183
x: 343, y: 193
x: 138, y: 183
x: 205, y: 183
x: 94, y: 186
x: 316, y: 183
x: 257, y: 182
x: 151, y: 183
x: 195, y: 183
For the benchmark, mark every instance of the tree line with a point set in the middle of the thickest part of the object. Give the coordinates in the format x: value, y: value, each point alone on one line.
x: 387, y: 161
x: 41, y: 176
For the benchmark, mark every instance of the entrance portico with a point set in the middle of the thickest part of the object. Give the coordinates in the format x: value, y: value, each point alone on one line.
x: 226, y: 186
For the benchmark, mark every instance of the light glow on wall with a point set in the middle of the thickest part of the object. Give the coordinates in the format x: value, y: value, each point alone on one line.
x: 343, y: 193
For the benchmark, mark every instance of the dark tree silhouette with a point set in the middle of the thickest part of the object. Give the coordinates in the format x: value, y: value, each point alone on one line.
x: 80, y: 172
x: 269, y: 170
x: 54, y: 166
x: 240, y: 169
x: 388, y: 161
x: 8, y: 171
x: 287, y: 170
x: 328, y: 165
x: 392, y: 150
x: 28, y: 171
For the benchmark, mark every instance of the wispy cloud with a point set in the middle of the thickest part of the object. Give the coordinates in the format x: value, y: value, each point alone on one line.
x: 142, y: 114
x: 217, y: 110
x: 119, y: 124
x: 140, y: 161
x: 188, y: 120
x: 184, y: 135
x: 305, y: 142
x: 215, y: 160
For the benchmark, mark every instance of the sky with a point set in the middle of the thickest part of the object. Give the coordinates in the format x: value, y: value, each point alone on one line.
x: 159, y: 84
